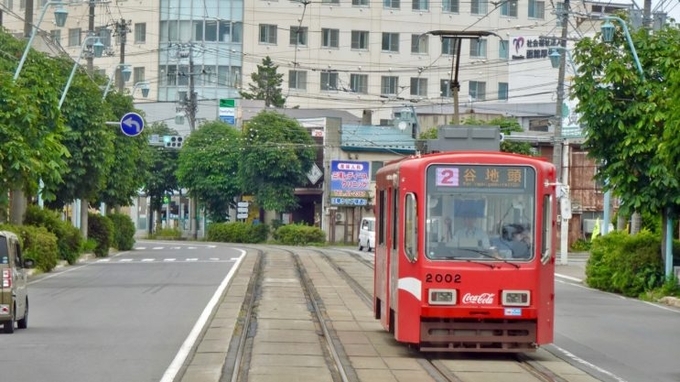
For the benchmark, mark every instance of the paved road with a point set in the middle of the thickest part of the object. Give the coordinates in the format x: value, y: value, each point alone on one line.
x: 620, y: 339
x: 123, y: 319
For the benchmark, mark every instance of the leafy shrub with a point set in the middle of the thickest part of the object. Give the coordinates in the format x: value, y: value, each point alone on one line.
x: 168, y: 234
x: 123, y: 231
x: 581, y: 245
x: 630, y: 265
x: 100, y: 228
x: 237, y: 232
x: 69, y: 238
x: 298, y: 234
x: 38, y: 244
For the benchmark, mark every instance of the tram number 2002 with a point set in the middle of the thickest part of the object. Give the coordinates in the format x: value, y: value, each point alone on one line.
x: 442, y: 277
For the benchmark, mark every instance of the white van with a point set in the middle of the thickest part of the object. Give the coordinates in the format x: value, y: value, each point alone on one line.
x: 367, y: 234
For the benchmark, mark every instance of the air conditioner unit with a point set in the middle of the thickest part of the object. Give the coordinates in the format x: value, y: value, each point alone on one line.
x: 339, y: 217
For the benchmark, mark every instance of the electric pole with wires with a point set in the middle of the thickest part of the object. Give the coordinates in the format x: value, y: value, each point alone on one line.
x: 122, y: 28
x: 562, y: 174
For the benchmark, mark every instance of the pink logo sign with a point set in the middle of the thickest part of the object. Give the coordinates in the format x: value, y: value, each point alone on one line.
x: 481, y: 299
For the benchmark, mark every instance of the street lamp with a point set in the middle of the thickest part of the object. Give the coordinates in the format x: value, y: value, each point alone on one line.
x: 127, y: 72
x: 144, y: 86
x: 556, y: 57
x: 608, y: 36
x: 98, y: 49
x: 60, y: 15
x: 457, y: 37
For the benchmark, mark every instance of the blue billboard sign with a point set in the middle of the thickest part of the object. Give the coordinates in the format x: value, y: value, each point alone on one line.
x: 350, y: 183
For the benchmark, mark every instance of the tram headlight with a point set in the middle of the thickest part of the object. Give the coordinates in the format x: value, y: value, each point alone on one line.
x: 442, y: 296
x: 516, y: 298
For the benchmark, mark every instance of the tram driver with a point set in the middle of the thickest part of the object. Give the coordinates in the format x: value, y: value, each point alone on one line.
x: 469, y: 235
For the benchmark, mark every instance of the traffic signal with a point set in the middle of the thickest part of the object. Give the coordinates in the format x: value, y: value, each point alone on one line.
x: 173, y: 141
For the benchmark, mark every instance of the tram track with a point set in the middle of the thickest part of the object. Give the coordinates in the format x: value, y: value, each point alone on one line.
x: 434, y: 366
x: 241, y: 356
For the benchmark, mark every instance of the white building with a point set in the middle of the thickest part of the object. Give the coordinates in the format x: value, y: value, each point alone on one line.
x: 351, y: 55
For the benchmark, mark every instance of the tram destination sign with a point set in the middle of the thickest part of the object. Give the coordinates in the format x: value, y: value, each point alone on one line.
x: 482, y: 176
x: 350, y: 183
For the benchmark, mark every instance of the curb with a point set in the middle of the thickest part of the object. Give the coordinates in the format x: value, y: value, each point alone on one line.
x: 62, y: 264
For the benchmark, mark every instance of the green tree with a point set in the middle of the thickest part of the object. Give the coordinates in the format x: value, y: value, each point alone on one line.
x: 631, y: 120
x: 163, y: 167
x: 89, y: 140
x: 208, y: 167
x: 277, y: 154
x: 132, y: 155
x: 31, y: 128
x: 267, y: 84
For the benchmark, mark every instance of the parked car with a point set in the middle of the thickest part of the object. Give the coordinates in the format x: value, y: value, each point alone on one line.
x: 13, y: 290
x: 367, y: 234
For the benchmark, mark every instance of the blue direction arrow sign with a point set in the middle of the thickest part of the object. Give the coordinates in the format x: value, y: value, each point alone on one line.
x: 132, y: 124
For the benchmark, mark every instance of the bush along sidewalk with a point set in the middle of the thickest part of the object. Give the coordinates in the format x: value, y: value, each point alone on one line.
x: 631, y: 265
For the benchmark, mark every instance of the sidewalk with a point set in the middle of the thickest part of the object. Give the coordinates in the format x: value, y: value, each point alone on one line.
x: 575, y: 269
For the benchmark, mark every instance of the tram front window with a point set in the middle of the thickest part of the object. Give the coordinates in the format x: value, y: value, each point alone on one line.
x: 480, y: 212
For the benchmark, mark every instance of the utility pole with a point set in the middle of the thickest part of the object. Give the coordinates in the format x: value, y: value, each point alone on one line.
x: 84, y: 204
x: 121, y: 31
x: 191, y: 107
x: 28, y: 18
x: 647, y: 14
x: 90, y: 31
x: 557, y: 139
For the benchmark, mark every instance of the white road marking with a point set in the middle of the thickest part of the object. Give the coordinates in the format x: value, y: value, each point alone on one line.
x: 157, y: 248
x: 183, y: 353
x: 103, y: 260
x: 147, y: 260
x: 126, y: 260
x: 588, y: 364
x: 169, y: 259
x: 192, y: 259
x: 570, y: 278
x: 214, y: 259
x: 140, y: 248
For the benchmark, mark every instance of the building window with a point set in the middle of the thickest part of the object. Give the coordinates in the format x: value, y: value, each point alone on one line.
x: 375, y: 166
x: 390, y: 42
x: 329, y: 81
x: 479, y: 7
x: 389, y: 85
x: 478, y: 47
x: 447, y: 46
x: 210, y: 30
x: 297, y: 79
x: 359, y: 83
x: 138, y: 74
x: 419, y: 86
x: 360, y: 2
x: 330, y: 1
x: 419, y: 44
x: 140, y: 33
x: 105, y: 36
x: 477, y: 90
x: 509, y: 8
x: 504, y: 49
x: 392, y: 4
x: 559, y: 11
x: 537, y: 9
x: 450, y: 6
x: 445, y: 88
x: 330, y: 38
x: 74, y: 37
x: 503, y: 91
x: 55, y: 34
x: 298, y: 36
x: 360, y: 40
x: 420, y: 5
x: 267, y: 34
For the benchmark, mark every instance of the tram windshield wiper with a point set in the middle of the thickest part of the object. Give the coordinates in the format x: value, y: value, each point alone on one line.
x: 486, y: 254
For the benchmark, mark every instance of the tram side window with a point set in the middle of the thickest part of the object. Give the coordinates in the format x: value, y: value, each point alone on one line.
x: 546, y: 244
x: 395, y: 217
x: 411, y: 227
x: 382, y: 197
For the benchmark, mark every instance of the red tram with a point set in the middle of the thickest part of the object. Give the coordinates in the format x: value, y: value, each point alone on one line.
x: 464, y: 257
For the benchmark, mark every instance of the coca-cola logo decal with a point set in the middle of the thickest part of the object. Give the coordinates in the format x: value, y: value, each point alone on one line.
x: 479, y: 299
